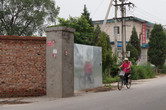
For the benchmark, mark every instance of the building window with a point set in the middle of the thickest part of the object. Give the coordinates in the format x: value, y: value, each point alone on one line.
x: 147, y: 33
x: 118, y: 29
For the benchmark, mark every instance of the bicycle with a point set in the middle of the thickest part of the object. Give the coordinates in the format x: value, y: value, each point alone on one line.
x: 122, y: 80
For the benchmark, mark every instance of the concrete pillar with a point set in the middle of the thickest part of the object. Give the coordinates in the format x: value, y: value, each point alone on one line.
x: 144, y: 56
x: 60, y: 62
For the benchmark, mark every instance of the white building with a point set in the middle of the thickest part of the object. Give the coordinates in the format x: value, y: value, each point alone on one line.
x: 143, y: 29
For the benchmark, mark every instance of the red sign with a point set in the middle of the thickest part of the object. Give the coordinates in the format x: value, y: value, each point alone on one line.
x: 53, y: 55
x: 144, y: 33
x: 65, y: 52
x: 50, y: 43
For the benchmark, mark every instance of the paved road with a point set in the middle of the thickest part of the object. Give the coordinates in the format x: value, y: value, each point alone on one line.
x: 149, y: 95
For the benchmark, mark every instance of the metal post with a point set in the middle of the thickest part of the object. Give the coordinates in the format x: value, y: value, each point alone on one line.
x: 116, y: 9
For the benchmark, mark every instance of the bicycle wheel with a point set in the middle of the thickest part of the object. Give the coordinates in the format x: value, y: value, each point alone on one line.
x: 128, y: 85
x: 120, y: 83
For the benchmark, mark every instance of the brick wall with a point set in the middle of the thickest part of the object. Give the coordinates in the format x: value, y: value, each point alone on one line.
x: 22, y: 66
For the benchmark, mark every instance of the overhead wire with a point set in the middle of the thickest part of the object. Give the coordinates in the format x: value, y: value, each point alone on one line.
x: 143, y: 13
x: 155, y: 17
x: 98, y: 7
x: 140, y: 15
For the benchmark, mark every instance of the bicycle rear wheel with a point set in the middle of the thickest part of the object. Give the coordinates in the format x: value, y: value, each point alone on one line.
x: 128, y: 85
x: 120, y: 83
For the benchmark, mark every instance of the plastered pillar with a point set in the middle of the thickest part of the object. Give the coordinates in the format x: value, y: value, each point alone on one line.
x: 60, y: 62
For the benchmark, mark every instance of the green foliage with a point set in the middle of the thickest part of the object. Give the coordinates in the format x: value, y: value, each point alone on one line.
x: 109, y: 79
x: 83, y: 33
x: 103, y: 42
x: 163, y: 69
x: 138, y: 72
x: 96, y: 35
x: 25, y: 17
x: 133, y: 53
x: 110, y: 67
x: 142, y: 72
x: 114, y: 66
x: 157, y: 46
x: 87, y: 15
x: 134, y: 46
x: 109, y: 61
x: 134, y: 41
x: 108, y: 85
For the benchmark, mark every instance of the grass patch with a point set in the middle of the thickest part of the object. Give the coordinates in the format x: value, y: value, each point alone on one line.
x: 110, y: 79
x: 108, y: 86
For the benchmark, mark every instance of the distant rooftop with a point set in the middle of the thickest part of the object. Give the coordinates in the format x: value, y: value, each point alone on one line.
x: 131, y: 18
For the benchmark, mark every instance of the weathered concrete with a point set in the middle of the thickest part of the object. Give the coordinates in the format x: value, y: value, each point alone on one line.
x: 144, y: 56
x: 60, y: 67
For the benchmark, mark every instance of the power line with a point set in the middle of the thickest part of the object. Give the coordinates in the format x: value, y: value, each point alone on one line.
x: 155, y: 17
x: 141, y: 15
x: 98, y: 7
x: 148, y: 15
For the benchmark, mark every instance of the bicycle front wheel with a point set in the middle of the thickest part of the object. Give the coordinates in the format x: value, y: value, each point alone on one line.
x: 120, y: 83
x: 129, y: 83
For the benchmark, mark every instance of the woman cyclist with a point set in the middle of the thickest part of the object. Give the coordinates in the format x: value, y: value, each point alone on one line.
x: 126, y: 68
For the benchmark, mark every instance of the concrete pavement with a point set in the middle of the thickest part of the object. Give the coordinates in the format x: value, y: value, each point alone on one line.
x: 147, y: 95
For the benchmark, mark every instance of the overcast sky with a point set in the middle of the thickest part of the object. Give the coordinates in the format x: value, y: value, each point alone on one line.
x: 150, y: 10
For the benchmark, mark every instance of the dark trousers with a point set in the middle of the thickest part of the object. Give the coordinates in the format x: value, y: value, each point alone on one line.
x: 126, y: 77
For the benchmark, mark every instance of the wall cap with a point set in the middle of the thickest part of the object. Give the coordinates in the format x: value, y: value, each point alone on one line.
x: 62, y: 28
x: 2, y: 37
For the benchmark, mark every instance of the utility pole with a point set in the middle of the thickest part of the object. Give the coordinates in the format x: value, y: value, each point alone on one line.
x: 116, y: 39
x: 123, y: 28
x: 105, y: 20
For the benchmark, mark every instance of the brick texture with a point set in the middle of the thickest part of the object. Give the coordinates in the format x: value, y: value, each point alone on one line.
x: 22, y: 66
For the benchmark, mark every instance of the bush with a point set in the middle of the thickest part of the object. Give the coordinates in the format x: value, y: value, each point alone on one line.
x: 135, y: 72
x: 150, y: 71
x: 110, y: 79
x: 107, y: 78
x: 142, y: 72
x: 114, y: 70
x: 163, y: 70
x: 138, y: 72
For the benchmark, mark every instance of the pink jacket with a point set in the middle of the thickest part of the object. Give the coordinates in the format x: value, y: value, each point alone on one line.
x: 125, y: 66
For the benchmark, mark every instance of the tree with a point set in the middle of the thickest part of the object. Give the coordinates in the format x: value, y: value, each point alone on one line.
x: 133, y: 53
x: 157, y: 46
x: 25, y: 17
x: 96, y: 35
x: 134, y: 41
x: 87, y: 15
x: 104, y: 43
x: 83, y: 33
x: 134, y: 46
